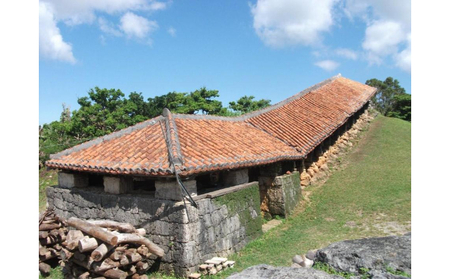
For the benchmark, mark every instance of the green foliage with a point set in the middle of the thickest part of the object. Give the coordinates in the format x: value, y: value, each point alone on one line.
x: 397, y: 272
x: 401, y: 107
x: 330, y: 270
x: 247, y: 104
x: 391, y: 99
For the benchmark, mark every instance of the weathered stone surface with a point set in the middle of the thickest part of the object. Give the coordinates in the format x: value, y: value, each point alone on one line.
x: 171, y: 190
x: 269, y: 272
x: 189, y: 236
x: 117, y: 185
x: 375, y: 254
x: 236, y: 177
x: 70, y: 180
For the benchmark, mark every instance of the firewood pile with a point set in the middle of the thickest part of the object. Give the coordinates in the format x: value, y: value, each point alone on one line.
x: 52, y: 232
x: 105, y: 249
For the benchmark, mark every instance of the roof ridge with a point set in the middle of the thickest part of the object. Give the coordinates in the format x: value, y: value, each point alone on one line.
x: 107, y: 137
x: 248, y: 115
x: 172, y: 140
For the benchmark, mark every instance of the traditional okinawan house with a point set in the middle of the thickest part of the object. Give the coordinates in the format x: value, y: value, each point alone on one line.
x: 198, y: 183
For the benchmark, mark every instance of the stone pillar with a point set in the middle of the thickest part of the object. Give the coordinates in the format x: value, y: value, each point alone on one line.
x: 117, y: 185
x: 70, y: 180
x: 236, y: 177
x: 171, y: 190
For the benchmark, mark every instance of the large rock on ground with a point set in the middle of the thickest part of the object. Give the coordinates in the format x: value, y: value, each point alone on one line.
x: 376, y: 254
x: 264, y: 271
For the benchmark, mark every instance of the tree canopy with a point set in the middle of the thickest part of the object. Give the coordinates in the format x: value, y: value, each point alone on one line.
x: 391, y: 99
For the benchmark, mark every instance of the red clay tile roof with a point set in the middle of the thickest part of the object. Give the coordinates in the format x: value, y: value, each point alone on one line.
x: 306, y: 119
x: 197, y: 143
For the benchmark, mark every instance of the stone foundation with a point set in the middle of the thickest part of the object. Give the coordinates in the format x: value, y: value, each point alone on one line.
x: 224, y: 222
x: 280, y: 194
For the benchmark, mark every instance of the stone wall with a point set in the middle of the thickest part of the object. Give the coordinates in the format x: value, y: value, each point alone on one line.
x: 280, y: 194
x: 223, y: 223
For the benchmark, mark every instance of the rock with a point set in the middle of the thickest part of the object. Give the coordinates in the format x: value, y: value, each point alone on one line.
x: 375, y: 254
x: 297, y: 259
x: 264, y: 271
x: 296, y: 265
x: 307, y: 263
x: 324, y: 167
x: 311, y: 254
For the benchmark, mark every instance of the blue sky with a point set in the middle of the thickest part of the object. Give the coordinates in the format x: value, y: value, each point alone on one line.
x: 269, y: 49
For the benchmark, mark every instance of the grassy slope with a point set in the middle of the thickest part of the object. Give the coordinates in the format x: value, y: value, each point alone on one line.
x: 370, y: 196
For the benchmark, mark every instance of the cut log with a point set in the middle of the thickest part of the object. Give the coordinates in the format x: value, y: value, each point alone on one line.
x: 137, y: 239
x: 87, y: 244
x: 117, y: 255
x: 43, y: 234
x: 137, y: 276
x: 85, y: 275
x: 115, y: 274
x: 143, y: 250
x: 104, y: 265
x: 65, y: 254
x: 44, y: 268
x: 72, y: 239
x: 142, y: 266
x: 133, y: 256
x: 48, y: 227
x: 42, y: 251
x: 93, y: 230
x: 121, y: 227
x: 50, y: 254
x: 100, y: 252
x: 141, y: 231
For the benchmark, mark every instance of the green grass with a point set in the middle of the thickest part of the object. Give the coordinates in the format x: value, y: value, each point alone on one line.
x: 46, y: 178
x: 369, y: 194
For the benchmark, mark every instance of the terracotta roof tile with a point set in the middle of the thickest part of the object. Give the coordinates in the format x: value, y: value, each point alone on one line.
x: 197, y: 143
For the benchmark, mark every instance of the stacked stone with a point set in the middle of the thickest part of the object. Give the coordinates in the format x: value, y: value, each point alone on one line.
x: 319, y: 168
x: 213, y: 266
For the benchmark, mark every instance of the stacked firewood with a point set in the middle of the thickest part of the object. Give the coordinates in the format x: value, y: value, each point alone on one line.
x: 52, y: 232
x: 106, y: 249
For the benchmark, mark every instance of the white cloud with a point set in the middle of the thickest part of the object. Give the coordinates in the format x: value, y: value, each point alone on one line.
x: 51, y: 43
x: 172, y: 31
x: 347, y: 53
x: 108, y: 28
x: 403, y: 59
x: 327, y: 65
x: 84, y: 11
x: 388, y: 29
x: 281, y: 23
x: 70, y: 12
x: 136, y: 26
x: 382, y: 37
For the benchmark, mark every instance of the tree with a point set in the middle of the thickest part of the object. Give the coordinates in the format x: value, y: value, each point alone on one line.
x: 247, y: 104
x: 199, y: 101
x: 103, y: 112
x: 387, y: 90
x: 401, y: 107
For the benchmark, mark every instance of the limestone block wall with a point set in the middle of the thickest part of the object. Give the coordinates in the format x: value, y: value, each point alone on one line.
x: 280, y: 194
x: 223, y: 223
